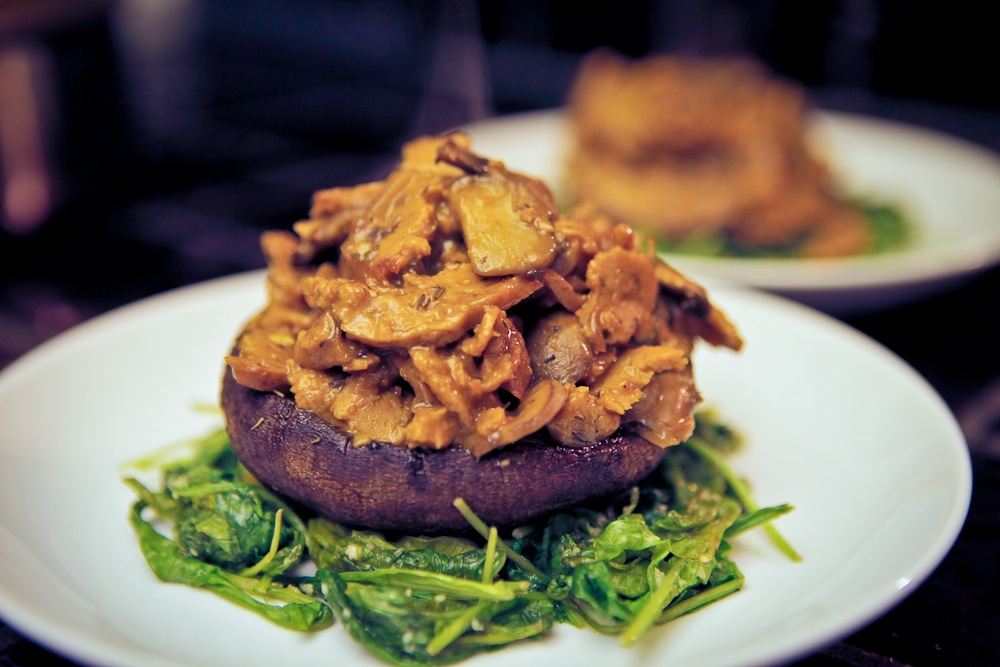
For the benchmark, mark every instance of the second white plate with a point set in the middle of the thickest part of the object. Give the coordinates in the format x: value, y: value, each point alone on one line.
x: 950, y: 188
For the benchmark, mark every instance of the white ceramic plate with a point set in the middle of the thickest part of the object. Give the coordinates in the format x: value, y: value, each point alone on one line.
x: 950, y: 188
x: 836, y: 425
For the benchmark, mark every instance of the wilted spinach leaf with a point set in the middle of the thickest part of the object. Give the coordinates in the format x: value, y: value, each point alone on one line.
x: 658, y: 551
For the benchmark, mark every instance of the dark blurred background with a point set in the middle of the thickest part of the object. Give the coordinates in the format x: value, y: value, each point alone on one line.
x: 145, y: 144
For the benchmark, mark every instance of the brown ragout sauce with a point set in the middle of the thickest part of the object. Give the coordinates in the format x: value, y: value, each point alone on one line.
x: 452, y: 304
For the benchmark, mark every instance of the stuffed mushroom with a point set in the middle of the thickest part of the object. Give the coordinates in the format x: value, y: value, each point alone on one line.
x: 447, y: 332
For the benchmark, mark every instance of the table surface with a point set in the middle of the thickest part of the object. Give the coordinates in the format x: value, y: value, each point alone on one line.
x: 252, y: 163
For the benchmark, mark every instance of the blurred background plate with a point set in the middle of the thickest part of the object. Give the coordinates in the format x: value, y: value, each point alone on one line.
x: 949, y: 188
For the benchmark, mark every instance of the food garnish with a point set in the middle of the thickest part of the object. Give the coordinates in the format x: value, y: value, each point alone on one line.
x: 655, y: 552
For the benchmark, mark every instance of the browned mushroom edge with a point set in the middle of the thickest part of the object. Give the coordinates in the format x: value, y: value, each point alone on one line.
x: 387, y: 488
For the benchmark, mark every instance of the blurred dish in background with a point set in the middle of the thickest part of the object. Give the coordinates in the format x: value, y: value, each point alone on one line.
x: 949, y: 188
x: 709, y: 155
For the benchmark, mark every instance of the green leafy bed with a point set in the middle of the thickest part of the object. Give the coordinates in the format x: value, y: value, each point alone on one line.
x: 657, y: 552
x: 892, y: 229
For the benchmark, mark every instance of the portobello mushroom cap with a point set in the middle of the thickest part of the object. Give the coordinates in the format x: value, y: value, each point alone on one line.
x: 389, y: 488
x: 447, y: 333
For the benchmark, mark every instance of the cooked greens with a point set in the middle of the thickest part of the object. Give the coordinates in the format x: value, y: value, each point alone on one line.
x: 656, y: 552
x: 891, y: 229
x: 232, y: 536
